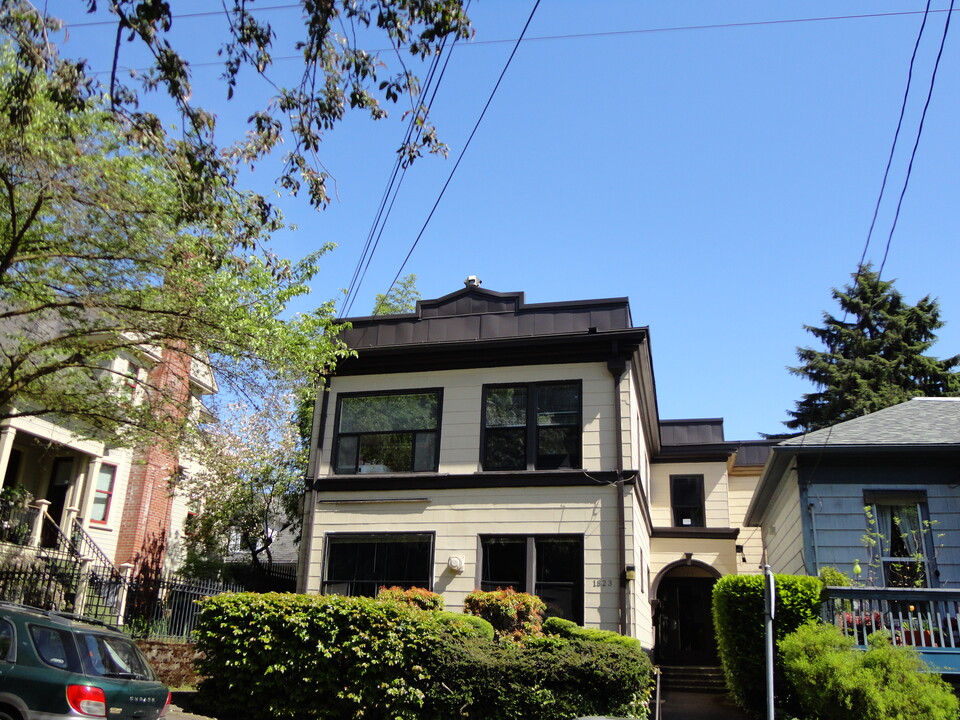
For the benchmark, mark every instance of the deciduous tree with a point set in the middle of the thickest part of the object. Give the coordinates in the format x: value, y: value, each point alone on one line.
x: 102, y: 253
x: 249, y: 483
x: 401, y: 298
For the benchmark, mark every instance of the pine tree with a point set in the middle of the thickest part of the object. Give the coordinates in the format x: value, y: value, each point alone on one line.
x: 874, y: 355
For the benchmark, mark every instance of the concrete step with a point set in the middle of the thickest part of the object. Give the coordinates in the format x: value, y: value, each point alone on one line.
x: 692, y: 678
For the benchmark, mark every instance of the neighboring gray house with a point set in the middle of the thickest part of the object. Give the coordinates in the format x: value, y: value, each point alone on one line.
x: 880, y: 493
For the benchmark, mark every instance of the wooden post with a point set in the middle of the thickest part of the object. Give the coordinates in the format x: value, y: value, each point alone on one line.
x: 37, y: 530
x: 80, y: 599
x: 126, y: 569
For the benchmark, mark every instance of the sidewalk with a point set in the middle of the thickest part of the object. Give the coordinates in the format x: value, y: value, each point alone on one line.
x: 183, y: 700
x: 676, y: 705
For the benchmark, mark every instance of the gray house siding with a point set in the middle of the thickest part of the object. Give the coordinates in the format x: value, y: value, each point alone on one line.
x: 835, y: 523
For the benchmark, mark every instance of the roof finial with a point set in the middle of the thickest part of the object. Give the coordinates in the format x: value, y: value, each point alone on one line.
x: 472, y: 281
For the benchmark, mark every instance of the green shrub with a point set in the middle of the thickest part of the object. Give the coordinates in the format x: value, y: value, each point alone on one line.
x: 831, y: 577
x: 470, y: 625
x: 313, y: 657
x: 511, y: 613
x: 414, y: 597
x: 569, y: 629
x: 305, y: 656
x: 834, y: 681
x: 738, y: 617
x: 541, y: 679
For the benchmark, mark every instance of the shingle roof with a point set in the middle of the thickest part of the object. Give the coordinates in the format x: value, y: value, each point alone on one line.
x: 921, y: 421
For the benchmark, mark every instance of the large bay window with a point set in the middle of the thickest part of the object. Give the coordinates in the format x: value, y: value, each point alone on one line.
x: 532, y: 426
x: 388, y: 432
x: 360, y: 563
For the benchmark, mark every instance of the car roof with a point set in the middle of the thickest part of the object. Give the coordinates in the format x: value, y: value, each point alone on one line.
x: 57, y: 617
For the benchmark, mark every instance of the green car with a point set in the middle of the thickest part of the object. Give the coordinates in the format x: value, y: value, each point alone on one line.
x: 53, y: 666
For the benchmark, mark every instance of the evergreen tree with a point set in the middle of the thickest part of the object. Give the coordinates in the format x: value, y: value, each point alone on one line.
x: 874, y: 357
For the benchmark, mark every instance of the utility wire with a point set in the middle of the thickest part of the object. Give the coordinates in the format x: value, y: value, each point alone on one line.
x: 571, y: 36
x: 413, y: 132
x: 463, y: 151
x: 916, y: 144
x: 896, y: 136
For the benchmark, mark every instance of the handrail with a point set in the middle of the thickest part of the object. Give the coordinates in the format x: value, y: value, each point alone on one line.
x: 88, y: 547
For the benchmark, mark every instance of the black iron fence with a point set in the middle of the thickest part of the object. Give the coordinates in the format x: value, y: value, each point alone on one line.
x: 43, y: 567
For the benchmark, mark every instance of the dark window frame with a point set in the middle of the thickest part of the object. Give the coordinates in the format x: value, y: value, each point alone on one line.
x: 332, y: 538
x: 337, y: 435
x: 676, y: 518
x: 531, y: 437
x: 531, y: 583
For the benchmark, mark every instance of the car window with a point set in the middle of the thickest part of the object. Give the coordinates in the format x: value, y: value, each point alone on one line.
x: 6, y: 641
x: 113, y: 656
x: 55, y: 647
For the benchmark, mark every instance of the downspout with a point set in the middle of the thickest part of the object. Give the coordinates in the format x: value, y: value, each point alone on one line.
x: 617, y: 366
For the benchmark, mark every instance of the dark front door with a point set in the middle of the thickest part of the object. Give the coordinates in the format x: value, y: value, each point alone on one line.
x: 60, y: 479
x: 685, y: 622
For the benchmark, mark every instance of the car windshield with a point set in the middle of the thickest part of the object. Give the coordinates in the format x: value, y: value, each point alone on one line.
x: 114, y: 656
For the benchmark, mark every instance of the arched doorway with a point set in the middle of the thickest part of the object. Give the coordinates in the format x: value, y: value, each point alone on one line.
x: 683, y: 617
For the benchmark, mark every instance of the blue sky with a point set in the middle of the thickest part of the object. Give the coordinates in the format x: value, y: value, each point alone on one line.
x: 723, y: 178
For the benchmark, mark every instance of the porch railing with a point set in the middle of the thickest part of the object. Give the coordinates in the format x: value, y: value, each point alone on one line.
x: 927, y: 619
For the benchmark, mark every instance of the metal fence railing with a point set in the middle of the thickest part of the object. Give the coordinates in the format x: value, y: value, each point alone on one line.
x: 42, y: 566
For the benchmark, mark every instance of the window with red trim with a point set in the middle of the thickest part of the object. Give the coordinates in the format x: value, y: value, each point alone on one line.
x: 103, y: 494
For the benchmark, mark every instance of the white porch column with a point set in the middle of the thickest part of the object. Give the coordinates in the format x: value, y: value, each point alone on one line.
x: 7, y: 434
x: 85, y: 499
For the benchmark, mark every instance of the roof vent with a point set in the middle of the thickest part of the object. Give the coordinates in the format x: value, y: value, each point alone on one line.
x: 472, y: 282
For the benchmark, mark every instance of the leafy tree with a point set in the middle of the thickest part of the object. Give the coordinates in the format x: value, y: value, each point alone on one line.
x: 401, y: 298
x: 337, y: 75
x: 874, y: 355
x: 105, y: 253
x: 249, y: 484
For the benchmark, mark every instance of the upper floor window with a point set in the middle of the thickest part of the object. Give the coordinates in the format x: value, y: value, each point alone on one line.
x: 898, y: 532
x: 532, y: 426
x: 388, y: 432
x: 686, y: 500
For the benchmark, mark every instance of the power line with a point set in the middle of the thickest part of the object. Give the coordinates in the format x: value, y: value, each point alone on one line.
x: 413, y: 132
x: 578, y: 36
x: 896, y: 136
x: 916, y: 144
x: 465, y: 146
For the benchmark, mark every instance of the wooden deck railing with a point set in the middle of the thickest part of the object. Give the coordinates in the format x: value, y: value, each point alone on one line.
x: 925, y: 618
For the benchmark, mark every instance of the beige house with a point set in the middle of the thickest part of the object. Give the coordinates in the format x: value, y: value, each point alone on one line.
x: 119, y: 496
x: 486, y: 442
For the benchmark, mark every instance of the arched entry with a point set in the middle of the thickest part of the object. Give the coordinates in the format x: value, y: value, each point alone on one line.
x: 683, y: 617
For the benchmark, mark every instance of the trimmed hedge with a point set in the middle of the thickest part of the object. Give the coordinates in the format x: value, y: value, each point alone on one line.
x: 549, y: 678
x: 569, y: 629
x: 738, y: 617
x: 834, y: 681
x: 330, y: 657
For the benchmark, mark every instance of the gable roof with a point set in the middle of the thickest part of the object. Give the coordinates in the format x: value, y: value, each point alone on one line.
x: 921, y: 425
x: 921, y: 421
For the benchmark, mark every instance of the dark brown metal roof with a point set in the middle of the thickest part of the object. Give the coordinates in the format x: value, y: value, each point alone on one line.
x: 696, y: 431
x: 474, y: 314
